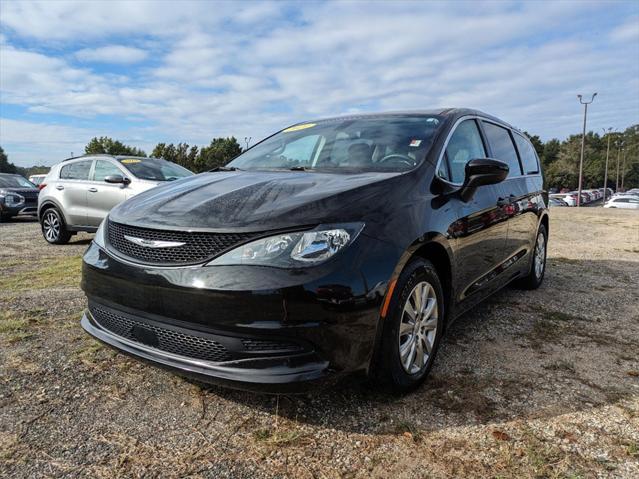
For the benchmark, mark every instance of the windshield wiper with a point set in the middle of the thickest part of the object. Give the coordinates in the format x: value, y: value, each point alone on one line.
x: 299, y: 168
x: 226, y: 168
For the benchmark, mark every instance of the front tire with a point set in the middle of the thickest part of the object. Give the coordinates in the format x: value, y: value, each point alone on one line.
x: 412, y: 328
x: 53, y: 227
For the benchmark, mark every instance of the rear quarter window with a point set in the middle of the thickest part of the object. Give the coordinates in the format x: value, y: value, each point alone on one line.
x: 527, y: 154
x: 76, y: 171
x: 502, y: 147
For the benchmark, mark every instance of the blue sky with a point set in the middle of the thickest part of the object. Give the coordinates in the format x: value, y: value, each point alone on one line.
x: 145, y: 72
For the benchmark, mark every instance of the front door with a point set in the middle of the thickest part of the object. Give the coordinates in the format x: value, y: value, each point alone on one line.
x: 103, y: 196
x: 481, y: 231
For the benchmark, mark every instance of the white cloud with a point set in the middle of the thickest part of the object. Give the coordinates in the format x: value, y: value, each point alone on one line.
x: 247, y: 69
x: 111, y: 54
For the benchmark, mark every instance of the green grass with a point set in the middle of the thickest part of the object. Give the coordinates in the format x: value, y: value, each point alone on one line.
x: 52, y: 273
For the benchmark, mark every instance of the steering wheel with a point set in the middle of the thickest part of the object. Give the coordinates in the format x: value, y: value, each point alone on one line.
x: 407, y: 160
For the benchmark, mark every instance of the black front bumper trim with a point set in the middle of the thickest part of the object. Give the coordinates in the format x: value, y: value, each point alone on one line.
x: 275, y: 374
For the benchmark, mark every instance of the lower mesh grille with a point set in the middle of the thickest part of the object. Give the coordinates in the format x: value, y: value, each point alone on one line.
x: 168, y: 340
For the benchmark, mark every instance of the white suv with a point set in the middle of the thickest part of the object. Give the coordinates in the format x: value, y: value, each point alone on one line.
x: 78, y: 193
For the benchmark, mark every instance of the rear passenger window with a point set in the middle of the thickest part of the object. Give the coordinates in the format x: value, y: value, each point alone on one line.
x: 76, y: 171
x: 527, y: 155
x: 502, y: 147
x: 463, y: 146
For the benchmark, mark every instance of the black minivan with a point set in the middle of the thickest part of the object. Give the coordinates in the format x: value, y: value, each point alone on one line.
x: 337, y: 246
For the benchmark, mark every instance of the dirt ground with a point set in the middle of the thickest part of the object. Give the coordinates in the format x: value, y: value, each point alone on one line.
x: 530, y: 384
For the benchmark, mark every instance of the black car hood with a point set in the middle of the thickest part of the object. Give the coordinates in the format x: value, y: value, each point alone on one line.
x: 257, y: 200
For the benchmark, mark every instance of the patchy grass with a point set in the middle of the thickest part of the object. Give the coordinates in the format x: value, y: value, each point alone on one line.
x: 52, y: 273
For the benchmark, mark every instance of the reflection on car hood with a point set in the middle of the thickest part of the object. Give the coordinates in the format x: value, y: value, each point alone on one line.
x: 256, y: 200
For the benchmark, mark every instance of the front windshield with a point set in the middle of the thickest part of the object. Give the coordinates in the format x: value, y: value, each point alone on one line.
x: 381, y: 143
x: 15, y: 181
x: 154, y: 169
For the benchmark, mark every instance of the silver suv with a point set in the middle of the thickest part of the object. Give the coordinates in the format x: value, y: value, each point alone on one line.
x: 79, y: 192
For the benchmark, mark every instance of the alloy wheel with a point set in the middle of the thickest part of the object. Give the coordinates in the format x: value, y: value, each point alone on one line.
x: 418, y: 328
x: 51, y: 226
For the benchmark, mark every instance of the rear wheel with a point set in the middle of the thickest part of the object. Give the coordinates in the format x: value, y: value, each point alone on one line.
x: 53, y: 228
x: 538, y: 267
x: 412, y: 328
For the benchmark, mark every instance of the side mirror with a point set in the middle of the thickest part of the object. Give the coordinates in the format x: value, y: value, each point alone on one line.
x: 117, y: 179
x: 482, y: 171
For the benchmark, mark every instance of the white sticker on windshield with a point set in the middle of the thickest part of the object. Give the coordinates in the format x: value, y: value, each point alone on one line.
x: 415, y: 143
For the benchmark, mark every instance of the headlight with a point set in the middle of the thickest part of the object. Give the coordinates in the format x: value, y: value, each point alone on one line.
x: 13, y: 199
x: 99, y: 235
x: 290, y: 250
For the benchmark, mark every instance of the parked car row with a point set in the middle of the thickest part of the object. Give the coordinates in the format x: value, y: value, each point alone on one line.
x: 587, y: 196
x: 627, y: 201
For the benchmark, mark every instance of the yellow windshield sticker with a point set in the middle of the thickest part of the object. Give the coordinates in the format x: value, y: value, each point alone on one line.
x: 130, y: 161
x: 300, y: 127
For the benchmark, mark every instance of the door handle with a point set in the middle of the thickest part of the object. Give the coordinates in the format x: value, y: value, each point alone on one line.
x: 59, y: 187
x: 93, y: 190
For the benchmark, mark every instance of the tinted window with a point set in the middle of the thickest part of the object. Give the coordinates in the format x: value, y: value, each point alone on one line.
x: 464, y: 145
x: 154, y: 169
x: 15, y: 181
x: 103, y: 169
x: 527, y: 155
x: 382, y: 143
x: 76, y: 171
x: 502, y: 147
x: 301, y: 150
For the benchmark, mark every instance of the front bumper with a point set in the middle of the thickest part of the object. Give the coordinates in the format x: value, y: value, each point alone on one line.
x: 21, y: 210
x: 330, y: 313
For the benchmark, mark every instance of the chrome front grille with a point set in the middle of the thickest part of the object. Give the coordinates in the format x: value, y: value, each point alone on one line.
x: 197, y: 247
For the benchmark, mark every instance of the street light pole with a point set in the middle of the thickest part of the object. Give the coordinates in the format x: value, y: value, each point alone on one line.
x: 606, y: 171
x: 623, y: 167
x: 618, y: 157
x: 247, y: 140
x: 583, y: 143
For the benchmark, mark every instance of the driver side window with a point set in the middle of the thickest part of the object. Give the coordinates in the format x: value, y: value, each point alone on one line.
x: 464, y: 145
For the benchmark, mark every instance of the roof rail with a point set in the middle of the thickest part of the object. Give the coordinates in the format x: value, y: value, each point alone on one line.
x: 88, y: 154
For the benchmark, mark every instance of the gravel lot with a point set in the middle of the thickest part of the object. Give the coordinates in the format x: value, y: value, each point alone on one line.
x: 530, y: 384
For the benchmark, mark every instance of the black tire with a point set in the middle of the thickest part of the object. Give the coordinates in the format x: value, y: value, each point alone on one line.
x: 53, y: 227
x: 4, y: 218
x: 389, y: 372
x: 535, y: 278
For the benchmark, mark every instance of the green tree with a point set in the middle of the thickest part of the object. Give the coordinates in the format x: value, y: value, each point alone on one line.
x: 110, y: 146
x: 5, y: 166
x: 218, y: 153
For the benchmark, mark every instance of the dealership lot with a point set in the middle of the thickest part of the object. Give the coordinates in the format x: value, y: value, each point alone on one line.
x: 530, y: 383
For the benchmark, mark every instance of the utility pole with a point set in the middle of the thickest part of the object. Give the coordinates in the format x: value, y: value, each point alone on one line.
x: 606, y: 171
x: 623, y: 168
x: 618, y: 157
x: 583, y: 143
